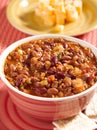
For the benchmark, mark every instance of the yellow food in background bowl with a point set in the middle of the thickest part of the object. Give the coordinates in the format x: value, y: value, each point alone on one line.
x: 58, y: 12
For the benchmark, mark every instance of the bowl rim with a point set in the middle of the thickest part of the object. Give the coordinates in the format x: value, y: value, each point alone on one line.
x: 43, y: 36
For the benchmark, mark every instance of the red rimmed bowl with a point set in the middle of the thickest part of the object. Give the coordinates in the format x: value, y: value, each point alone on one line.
x: 47, y: 108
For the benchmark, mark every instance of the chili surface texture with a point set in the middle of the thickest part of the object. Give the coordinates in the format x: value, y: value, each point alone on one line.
x: 51, y: 67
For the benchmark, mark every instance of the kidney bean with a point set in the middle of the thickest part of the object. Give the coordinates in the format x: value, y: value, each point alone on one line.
x: 22, y: 80
x: 65, y: 45
x: 65, y: 59
x: 52, y: 91
x: 89, y: 53
x: 35, y: 83
x: 47, y: 48
x: 24, y: 72
x: 71, y: 51
x: 59, y: 75
x: 41, y: 90
x: 19, y: 79
x: 50, y: 72
x: 30, y: 45
x: 95, y: 73
x: 36, y: 54
x: 27, y: 62
x: 75, y: 63
x: 37, y: 48
x: 71, y: 74
x: 49, y: 43
x: 54, y: 60
x: 86, y: 76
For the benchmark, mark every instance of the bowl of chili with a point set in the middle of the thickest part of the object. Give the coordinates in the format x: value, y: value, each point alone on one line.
x: 50, y: 76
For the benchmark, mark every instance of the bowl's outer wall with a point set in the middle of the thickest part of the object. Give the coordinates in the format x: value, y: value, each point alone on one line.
x: 54, y: 110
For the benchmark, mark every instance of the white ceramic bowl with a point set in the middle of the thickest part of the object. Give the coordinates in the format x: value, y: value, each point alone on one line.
x: 47, y: 108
